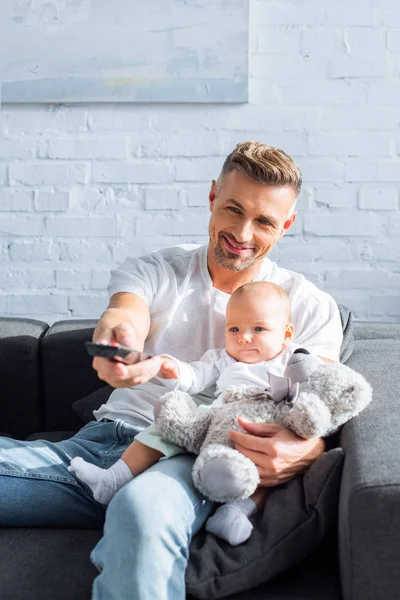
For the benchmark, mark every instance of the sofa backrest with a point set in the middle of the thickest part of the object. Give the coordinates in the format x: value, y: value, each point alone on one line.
x: 67, y: 373
x: 21, y: 405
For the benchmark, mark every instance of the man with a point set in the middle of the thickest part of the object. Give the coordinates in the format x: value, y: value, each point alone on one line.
x: 174, y: 301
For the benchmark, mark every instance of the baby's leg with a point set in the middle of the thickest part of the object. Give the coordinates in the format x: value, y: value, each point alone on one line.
x: 231, y: 521
x: 105, y: 483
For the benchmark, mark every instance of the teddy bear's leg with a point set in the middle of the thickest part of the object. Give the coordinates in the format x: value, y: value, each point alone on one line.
x: 231, y: 522
x: 223, y: 474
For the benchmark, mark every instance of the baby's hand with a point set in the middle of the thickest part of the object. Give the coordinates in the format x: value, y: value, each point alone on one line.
x: 169, y: 368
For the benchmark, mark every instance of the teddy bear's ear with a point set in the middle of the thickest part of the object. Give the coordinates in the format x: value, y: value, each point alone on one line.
x: 301, y: 366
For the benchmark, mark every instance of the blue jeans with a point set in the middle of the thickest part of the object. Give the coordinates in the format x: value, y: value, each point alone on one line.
x: 148, y: 524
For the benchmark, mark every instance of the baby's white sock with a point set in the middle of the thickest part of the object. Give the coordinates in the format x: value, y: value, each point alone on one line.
x: 104, y: 483
x: 231, y: 521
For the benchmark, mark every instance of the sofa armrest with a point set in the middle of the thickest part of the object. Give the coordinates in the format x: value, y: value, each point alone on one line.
x: 369, y: 512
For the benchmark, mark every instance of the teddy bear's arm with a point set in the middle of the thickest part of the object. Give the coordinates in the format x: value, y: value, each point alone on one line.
x: 180, y: 421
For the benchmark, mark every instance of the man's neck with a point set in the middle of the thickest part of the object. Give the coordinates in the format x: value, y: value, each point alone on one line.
x: 228, y: 281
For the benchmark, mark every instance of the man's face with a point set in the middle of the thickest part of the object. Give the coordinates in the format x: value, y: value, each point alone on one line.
x: 247, y: 219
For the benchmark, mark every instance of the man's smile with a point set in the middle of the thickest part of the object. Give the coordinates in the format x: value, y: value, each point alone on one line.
x: 236, y: 248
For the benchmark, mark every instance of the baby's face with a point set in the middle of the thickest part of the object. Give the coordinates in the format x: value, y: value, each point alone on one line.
x: 255, y: 329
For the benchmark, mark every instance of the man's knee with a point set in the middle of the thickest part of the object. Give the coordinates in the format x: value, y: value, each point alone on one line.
x: 140, y: 511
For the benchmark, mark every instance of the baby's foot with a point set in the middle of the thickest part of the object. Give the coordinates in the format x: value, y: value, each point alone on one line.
x: 104, y: 483
x: 231, y: 522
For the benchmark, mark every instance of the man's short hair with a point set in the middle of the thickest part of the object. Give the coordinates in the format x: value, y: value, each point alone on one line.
x: 264, y: 164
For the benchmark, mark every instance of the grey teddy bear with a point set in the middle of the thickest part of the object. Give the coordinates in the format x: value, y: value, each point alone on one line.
x: 322, y: 397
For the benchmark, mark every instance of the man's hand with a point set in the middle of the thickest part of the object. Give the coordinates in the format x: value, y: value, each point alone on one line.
x: 278, y: 453
x: 121, y: 375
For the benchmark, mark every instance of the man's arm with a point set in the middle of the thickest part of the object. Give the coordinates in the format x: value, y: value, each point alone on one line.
x: 278, y: 453
x: 126, y: 321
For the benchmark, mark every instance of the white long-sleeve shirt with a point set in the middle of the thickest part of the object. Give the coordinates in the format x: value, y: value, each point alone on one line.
x: 219, y: 368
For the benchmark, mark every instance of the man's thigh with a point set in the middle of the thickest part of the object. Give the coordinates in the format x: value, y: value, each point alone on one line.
x: 36, y: 488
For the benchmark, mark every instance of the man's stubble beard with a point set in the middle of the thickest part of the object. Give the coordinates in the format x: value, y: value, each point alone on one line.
x: 226, y: 261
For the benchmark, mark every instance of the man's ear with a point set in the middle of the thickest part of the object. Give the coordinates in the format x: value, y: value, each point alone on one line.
x: 212, y: 194
x: 288, y: 223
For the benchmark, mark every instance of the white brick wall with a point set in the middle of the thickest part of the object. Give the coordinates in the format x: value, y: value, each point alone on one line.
x: 81, y: 187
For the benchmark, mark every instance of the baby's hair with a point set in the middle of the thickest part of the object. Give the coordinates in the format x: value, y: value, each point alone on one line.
x: 273, y: 290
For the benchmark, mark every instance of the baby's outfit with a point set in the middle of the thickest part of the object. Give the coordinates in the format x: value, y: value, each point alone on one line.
x: 217, y: 367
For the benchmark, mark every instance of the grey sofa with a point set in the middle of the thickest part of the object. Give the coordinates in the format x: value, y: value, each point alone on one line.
x: 43, y: 370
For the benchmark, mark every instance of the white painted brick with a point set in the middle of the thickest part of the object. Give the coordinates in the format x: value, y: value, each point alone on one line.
x: 100, y: 280
x: 200, y: 169
x: 279, y: 41
x: 393, y: 41
x: 24, y: 226
x: 315, y: 170
x: 365, y: 42
x: 286, y: 13
x: 56, y: 200
x: 162, y: 198
x: 357, y: 14
x: 296, y: 144
x: 130, y: 117
x: 353, y: 118
x: 82, y: 227
x: 179, y: 225
x: 197, y: 195
x: 373, y: 171
x: 33, y: 250
x: 363, y: 278
x: 36, y: 304
x: 15, y: 200
x: 88, y: 306
x: 44, y: 119
x: 90, y: 251
x: 316, y: 250
x: 389, y: 16
x: 149, y: 171
x: 344, y: 224
x: 378, y: 198
x: 204, y: 143
x: 265, y: 93
x: 13, y: 279
x: 282, y: 70
x: 394, y: 225
x: 324, y: 92
x: 389, y: 171
x: 384, y: 251
x: 2, y: 174
x: 105, y: 200
x: 321, y: 42
x: 72, y: 279
x: 22, y: 149
x: 93, y: 147
x: 350, y: 144
x: 338, y: 197
x: 46, y: 173
x: 360, y: 68
x: 385, y: 93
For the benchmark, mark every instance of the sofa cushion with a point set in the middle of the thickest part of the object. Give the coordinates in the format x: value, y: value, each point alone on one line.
x: 84, y: 407
x: 33, y: 565
x: 296, y: 518
x: 67, y: 372
x: 21, y: 405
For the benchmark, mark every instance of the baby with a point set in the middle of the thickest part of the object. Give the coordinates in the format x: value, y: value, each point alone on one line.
x: 258, y: 334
